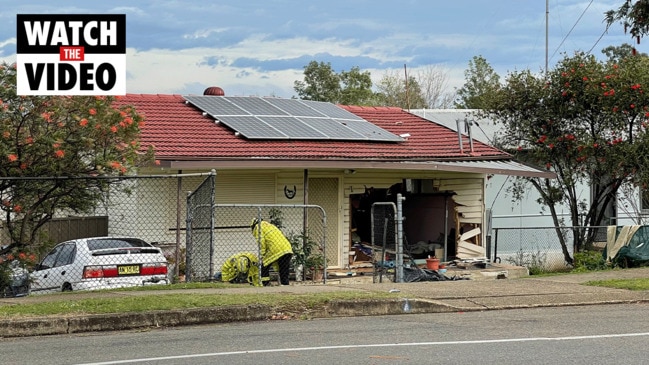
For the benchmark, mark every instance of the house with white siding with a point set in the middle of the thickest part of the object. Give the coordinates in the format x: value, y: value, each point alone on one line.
x: 629, y: 208
x: 277, y: 151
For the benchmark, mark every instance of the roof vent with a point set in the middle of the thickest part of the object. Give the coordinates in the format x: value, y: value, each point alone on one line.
x: 214, y: 90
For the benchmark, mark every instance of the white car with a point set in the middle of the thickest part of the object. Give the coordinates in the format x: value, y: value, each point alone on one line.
x: 99, y: 263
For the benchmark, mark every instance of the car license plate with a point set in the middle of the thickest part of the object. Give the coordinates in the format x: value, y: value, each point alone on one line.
x: 128, y: 270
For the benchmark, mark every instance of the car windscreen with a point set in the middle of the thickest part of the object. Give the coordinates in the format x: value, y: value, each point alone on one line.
x: 111, y: 246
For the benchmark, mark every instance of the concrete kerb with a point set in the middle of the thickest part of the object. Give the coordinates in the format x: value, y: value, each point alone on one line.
x: 439, y: 297
x: 195, y: 316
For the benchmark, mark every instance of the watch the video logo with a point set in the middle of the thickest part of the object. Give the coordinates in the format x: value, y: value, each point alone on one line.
x: 71, y: 54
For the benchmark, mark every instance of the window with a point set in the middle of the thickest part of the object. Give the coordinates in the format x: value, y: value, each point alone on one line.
x: 644, y: 199
x: 50, y: 259
x: 66, y: 256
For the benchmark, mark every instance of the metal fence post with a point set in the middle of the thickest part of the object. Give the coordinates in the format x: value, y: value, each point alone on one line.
x: 400, y: 199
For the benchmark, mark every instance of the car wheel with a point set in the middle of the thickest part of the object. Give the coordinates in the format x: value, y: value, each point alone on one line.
x: 66, y: 287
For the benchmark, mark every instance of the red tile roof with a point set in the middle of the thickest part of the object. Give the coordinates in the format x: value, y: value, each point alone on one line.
x: 179, y: 131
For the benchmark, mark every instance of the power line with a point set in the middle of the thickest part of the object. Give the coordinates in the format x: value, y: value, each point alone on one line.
x: 573, y: 27
x: 598, y: 39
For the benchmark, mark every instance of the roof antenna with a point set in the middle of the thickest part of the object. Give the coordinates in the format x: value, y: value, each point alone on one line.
x: 467, y: 127
x: 405, y: 71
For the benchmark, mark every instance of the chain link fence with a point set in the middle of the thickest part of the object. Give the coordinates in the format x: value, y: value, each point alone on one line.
x: 144, y: 209
x: 241, y: 251
x: 539, y: 248
x: 152, y: 209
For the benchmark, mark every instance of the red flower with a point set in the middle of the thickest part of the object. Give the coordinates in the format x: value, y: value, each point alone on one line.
x: 92, y: 111
x: 83, y: 122
x: 47, y: 116
x: 59, y: 153
x: 12, y: 157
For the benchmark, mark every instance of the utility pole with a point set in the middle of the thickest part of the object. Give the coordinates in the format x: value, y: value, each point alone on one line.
x: 547, y: 11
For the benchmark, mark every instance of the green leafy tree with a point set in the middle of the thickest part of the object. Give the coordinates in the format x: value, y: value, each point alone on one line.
x: 393, y: 90
x: 618, y: 53
x: 633, y: 15
x: 356, y: 87
x: 321, y: 83
x: 481, y: 85
x: 59, y: 138
x: 583, y: 120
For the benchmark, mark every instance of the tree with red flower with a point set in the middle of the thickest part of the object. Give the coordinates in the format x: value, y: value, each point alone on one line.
x: 585, y: 119
x: 57, y: 137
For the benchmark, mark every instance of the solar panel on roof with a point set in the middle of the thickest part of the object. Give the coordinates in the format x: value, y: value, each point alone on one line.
x: 273, y: 118
x: 252, y: 127
x: 256, y: 106
x: 294, y: 128
x: 331, y: 110
x: 332, y: 129
x: 369, y: 130
x: 294, y: 107
x: 216, y: 105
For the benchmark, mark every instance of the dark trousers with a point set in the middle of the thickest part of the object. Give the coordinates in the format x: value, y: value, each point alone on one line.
x: 284, y: 263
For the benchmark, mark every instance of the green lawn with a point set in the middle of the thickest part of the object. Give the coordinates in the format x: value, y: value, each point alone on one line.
x: 630, y: 284
x: 61, y: 303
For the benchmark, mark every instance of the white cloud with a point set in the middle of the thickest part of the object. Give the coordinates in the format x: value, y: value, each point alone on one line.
x: 204, y: 33
x: 184, y: 74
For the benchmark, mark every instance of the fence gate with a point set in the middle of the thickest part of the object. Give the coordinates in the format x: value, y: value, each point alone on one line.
x: 303, y: 225
x: 199, y: 254
x: 216, y: 232
x: 387, y: 235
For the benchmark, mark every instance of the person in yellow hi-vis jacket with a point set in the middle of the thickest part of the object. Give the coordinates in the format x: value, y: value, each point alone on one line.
x: 240, y: 268
x: 275, y: 250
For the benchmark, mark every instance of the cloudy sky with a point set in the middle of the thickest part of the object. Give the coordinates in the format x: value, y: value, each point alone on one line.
x: 259, y: 47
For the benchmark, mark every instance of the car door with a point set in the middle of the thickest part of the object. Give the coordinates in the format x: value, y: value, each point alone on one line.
x: 55, y: 269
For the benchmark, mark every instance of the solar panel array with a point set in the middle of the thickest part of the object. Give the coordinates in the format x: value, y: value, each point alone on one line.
x: 274, y: 118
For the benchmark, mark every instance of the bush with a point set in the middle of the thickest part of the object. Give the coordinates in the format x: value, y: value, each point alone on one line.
x: 14, y: 274
x: 589, y: 261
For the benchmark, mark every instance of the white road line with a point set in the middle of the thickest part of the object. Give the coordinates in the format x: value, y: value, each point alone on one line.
x: 436, y: 343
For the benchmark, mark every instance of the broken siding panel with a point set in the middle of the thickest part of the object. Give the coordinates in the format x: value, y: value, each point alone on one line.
x: 469, y: 208
x: 469, y: 199
x: 469, y: 195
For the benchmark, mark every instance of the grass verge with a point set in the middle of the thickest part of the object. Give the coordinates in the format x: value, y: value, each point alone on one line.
x: 630, y: 284
x: 65, y: 305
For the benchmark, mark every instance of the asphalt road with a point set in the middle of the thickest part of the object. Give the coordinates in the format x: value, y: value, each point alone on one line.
x: 600, y: 334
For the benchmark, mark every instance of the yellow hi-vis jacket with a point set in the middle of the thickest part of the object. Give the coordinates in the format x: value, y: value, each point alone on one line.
x: 273, y: 244
x: 241, y: 264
